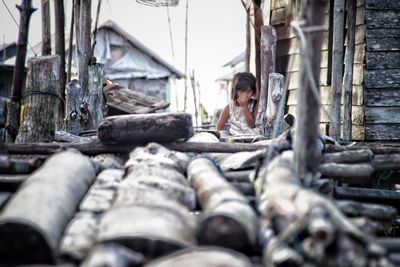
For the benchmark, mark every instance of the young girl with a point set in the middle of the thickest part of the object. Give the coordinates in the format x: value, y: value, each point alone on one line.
x: 242, y: 110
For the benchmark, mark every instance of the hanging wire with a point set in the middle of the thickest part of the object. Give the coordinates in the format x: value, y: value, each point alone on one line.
x: 16, y: 23
x: 171, y: 37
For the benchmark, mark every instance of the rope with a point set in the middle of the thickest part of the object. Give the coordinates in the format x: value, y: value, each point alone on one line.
x: 38, y: 92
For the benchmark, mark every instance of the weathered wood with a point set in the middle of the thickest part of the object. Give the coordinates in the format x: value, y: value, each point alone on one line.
x: 246, y: 189
x: 242, y: 160
x: 80, y: 234
x: 229, y: 220
x: 382, y: 114
x: 160, y: 127
x: 278, y: 16
x: 386, y: 162
x: 84, y: 47
x: 348, y: 173
x: 109, y: 161
x: 128, y: 101
x: 382, y: 4
x: 379, y: 33
x: 382, y: 78
x: 46, y: 40
x: 203, y: 256
x: 372, y: 211
x: 275, y: 109
x: 337, y: 67
x: 268, y: 55
x: 42, y: 98
x: 348, y: 72
x: 239, y: 176
x: 14, y: 111
x: 59, y: 17
x: 113, y: 255
x: 383, y: 44
x: 382, y: 19
x: 93, y: 101
x: 307, y: 155
x: 382, y: 131
x: 258, y: 25
x: 382, y: 97
x: 284, y: 200
x: 33, y: 221
x: 73, y: 110
x: 353, y: 156
x: 70, y: 43
x: 147, y: 214
x: 382, y: 60
x: 79, y: 237
x: 62, y: 136
x: 4, y: 197
x: 375, y: 148
x: 390, y: 243
x: 378, y: 196
x: 95, y: 147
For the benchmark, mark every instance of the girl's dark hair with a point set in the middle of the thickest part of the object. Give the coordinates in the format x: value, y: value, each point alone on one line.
x: 244, y: 81
x: 234, y: 82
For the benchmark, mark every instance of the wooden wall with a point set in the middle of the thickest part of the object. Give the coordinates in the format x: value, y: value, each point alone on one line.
x: 382, y: 70
x: 282, y: 12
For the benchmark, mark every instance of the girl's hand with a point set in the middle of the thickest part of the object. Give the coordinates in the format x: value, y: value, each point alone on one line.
x: 243, y: 100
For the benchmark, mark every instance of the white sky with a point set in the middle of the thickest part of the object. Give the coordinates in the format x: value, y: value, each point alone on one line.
x: 216, y: 33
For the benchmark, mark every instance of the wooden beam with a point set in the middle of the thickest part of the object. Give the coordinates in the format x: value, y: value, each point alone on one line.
x: 348, y: 73
x: 46, y: 40
x: 337, y: 67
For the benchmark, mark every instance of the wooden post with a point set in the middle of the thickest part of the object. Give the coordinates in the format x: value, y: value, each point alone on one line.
x: 46, y: 39
x: 14, y: 110
x: 60, y: 50
x: 275, y: 93
x: 85, y: 45
x: 348, y: 73
x: 71, y: 41
x: 337, y: 68
x: 307, y: 156
x: 248, y: 39
x: 93, y: 100
x: 258, y: 24
x: 268, y: 55
x: 73, y: 109
x: 41, y: 100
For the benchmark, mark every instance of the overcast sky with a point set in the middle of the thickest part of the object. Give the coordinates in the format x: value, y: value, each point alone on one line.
x: 216, y: 33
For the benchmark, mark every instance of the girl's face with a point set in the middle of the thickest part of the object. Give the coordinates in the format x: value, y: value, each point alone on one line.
x: 245, y: 94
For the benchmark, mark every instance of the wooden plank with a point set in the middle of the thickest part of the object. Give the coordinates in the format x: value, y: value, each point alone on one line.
x: 382, y: 114
x: 382, y: 19
x: 358, y: 74
x: 377, y: 33
x: 289, y: 46
x: 382, y: 78
x: 295, y: 66
x: 383, y: 44
x: 382, y: 60
x: 359, y: 53
x: 278, y: 16
x: 382, y: 4
x: 294, y: 78
x: 382, y: 97
x: 360, y: 15
x: 276, y: 4
x: 378, y: 131
x: 360, y: 34
x: 357, y: 132
x: 357, y: 118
